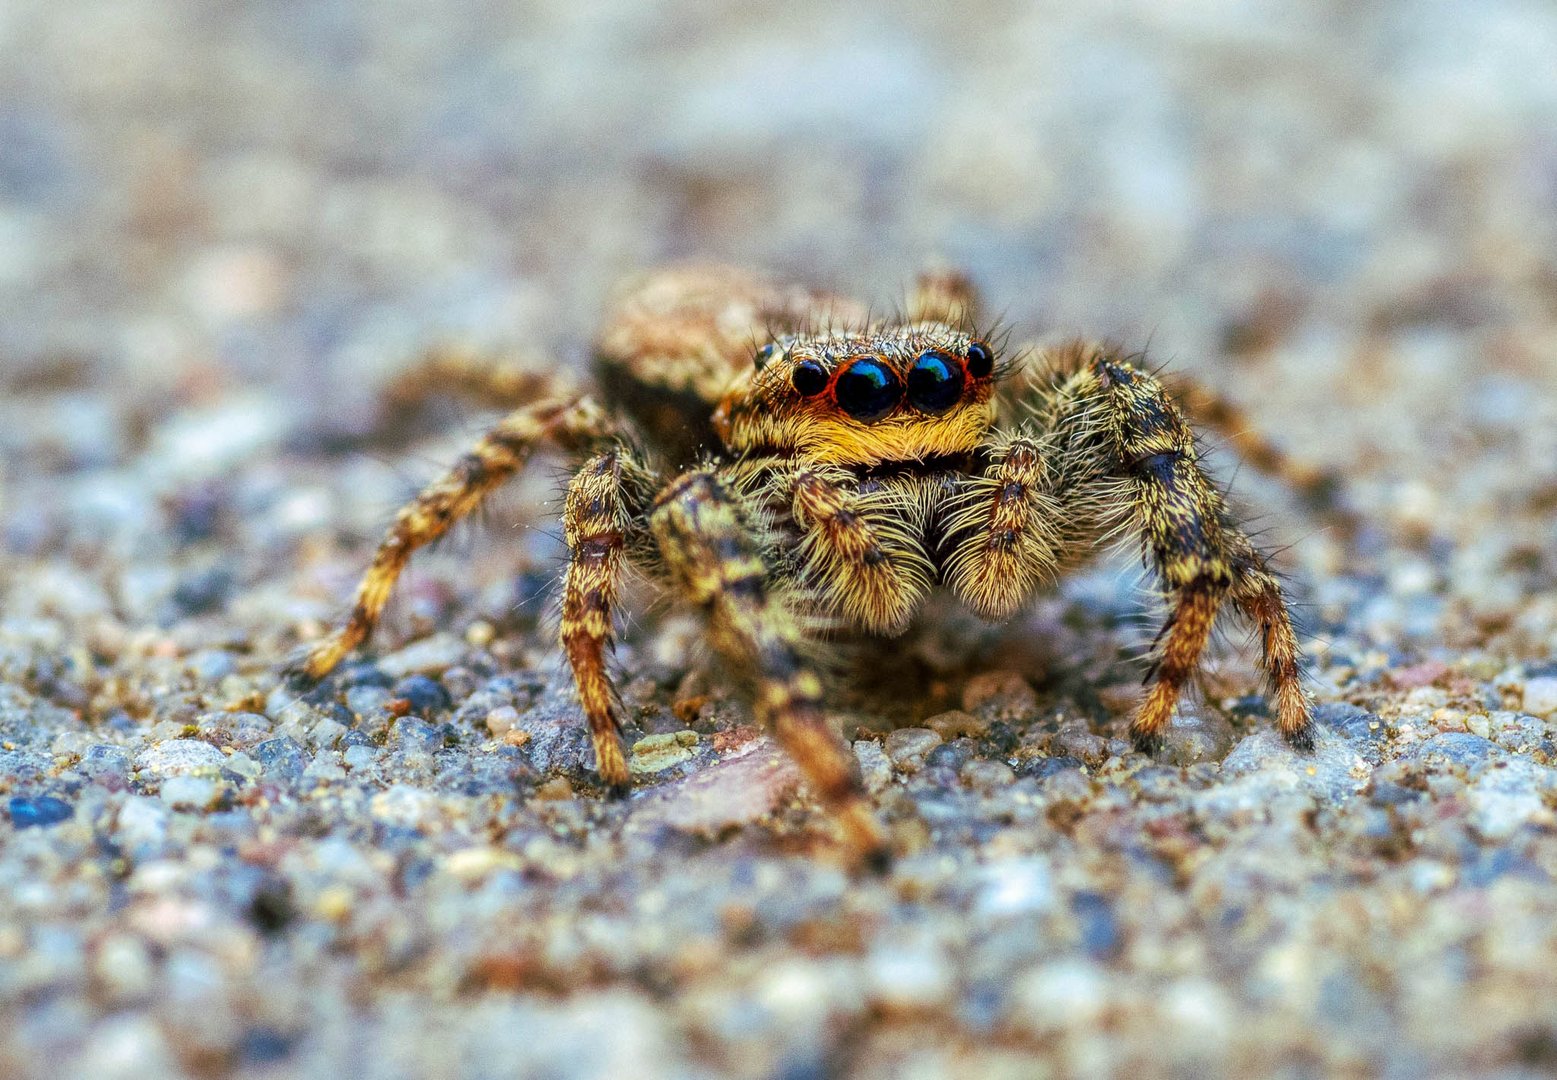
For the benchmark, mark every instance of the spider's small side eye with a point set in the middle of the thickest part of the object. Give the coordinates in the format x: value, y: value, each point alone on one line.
x: 764, y: 354
x: 808, y: 378
x: 867, y: 389
x: 981, y: 361
x: 934, y: 382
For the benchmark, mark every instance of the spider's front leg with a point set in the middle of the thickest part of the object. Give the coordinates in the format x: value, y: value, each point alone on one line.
x: 604, y: 519
x: 571, y: 421
x: 1200, y: 555
x: 711, y: 555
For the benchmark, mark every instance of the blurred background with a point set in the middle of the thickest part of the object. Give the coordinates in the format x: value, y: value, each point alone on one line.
x: 302, y: 194
x: 226, y: 226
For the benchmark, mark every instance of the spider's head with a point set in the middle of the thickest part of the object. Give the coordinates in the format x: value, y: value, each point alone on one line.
x: 897, y: 394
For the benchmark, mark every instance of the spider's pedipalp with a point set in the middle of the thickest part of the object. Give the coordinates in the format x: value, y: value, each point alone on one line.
x: 857, y: 552
x: 1003, y: 529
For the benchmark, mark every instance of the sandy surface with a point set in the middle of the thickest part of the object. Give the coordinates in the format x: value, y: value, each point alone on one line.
x: 224, y: 229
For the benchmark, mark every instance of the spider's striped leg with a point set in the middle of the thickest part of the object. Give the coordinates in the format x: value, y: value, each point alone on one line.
x: 1321, y: 489
x: 1201, y: 557
x: 604, y: 518
x: 858, y: 551
x: 1003, y: 529
x: 572, y: 422
x: 491, y: 379
x: 711, y: 555
x: 1257, y: 594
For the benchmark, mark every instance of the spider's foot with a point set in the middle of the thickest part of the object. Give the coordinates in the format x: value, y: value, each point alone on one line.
x: 877, y: 862
x: 297, y: 673
x: 618, y: 790
x: 1148, y: 743
x: 1302, y: 738
x: 864, y: 839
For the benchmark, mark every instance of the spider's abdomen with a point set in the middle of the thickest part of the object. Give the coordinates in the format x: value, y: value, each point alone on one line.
x: 677, y: 339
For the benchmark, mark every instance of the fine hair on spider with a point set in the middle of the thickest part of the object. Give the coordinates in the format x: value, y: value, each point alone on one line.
x: 791, y: 467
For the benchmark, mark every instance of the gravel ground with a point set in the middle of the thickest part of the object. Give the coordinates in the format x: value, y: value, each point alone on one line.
x: 223, y: 230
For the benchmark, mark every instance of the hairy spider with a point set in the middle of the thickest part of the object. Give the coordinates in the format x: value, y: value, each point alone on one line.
x: 833, y: 468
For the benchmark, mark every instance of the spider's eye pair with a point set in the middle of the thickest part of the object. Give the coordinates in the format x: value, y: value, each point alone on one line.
x: 868, y: 389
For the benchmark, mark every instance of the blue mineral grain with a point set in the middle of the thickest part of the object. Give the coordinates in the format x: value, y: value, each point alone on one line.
x: 39, y: 812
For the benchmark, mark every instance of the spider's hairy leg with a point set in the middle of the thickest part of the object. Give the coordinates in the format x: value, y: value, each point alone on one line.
x: 1002, y: 529
x: 855, y: 549
x: 1201, y: 557
x: 486, y: 378
x: 1320, y: 488
x: 944, y: 296
x: 1257, y: 593
x: 711, y: 555
x: 605, y: 512
x: 572, y: 422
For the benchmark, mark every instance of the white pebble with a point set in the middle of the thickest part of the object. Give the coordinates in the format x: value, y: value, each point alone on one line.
x: 1541, y: 695
x: 189, y: 792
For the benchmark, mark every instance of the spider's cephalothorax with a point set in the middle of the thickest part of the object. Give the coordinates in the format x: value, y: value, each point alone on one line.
x: 827, y: 470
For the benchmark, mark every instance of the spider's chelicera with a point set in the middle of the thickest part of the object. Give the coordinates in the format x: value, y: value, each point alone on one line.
x: 813, y: 468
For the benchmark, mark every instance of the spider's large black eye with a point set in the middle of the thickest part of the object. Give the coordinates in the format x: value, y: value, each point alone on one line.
x: 934, y: 382
x: 868, y: 390
x: 981, y: 361
x: 808, y: 378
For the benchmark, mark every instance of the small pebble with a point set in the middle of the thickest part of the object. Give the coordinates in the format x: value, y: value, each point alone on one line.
x: 875, y: 768
x: 142, y: 820
x: 212, y: 664
x: 957, y: 724
x: 105, y: 762
x: 365, y: 701
x: 425, y: 694
x: 908, y: 747
x: 189, y: 792
x: 1005, y: 695
x: 987, y: 775
x: 909, y: 980
x: 426, y: 657
x: 282, y: 759
x: 656, y: 753
x: 177, y: 757
x: 39, y: 812
x: 1540, y: 696
x: 205, y: 591
x: 502, y: 720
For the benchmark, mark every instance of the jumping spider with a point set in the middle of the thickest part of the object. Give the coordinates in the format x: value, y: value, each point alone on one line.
x: 829, y: 470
